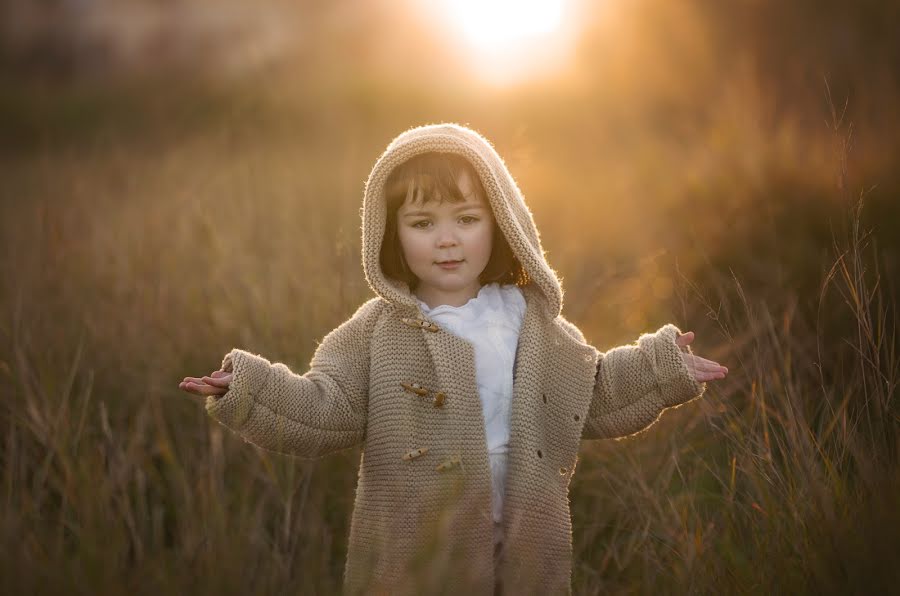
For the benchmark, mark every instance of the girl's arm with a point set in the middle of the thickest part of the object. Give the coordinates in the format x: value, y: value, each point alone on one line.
x: 309, y: 415
x: 635, y: 383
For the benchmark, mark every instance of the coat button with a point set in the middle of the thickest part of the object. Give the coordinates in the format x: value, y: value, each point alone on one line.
x: 410, y: 455
x: 439, y: 398
x: 415, y: 388
x: 563, y: 471
x: 421, y: 324
x: 449, y: 463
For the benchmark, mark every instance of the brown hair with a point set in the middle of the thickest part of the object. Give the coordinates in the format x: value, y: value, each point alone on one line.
x: 428, y: 177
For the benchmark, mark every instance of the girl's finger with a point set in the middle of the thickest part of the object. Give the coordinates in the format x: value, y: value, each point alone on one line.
x: 710, y: 364
x: 188, y: 387
x: 698, y: 367
x: 193, y: 387
x: 707, y: 376
x: 685, y: 338
x: 218, y: 381
x: 702, y: 376
x: 219, y: 373
x: 204, y: 389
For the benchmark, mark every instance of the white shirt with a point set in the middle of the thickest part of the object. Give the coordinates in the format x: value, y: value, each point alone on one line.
x: 491, y: 323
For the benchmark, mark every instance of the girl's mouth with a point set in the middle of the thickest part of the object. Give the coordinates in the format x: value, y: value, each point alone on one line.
x: 449, y: 264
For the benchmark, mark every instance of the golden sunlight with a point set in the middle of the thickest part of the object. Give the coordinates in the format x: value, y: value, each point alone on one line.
x: 495, y: 24
x: 509, y: 40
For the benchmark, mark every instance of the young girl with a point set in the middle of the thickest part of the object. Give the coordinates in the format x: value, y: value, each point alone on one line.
x: 468, y: 390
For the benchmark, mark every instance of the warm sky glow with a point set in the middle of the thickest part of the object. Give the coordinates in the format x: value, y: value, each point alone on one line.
x: 494, y: 24
x: 508, y: 40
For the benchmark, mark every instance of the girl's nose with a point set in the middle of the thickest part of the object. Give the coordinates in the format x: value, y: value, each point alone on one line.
x: 446, y: 238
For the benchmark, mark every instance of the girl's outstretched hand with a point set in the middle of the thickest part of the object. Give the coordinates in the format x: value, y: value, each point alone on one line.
x: 215, y: 384
x: 702, y: 369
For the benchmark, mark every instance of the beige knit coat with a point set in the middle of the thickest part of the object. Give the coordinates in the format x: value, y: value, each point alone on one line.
x: 398, y: 384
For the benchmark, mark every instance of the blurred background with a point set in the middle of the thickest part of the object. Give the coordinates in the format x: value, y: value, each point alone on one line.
x: 178, y: 178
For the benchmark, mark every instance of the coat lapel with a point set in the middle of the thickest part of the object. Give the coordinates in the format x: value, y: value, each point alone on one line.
x: 463, y: 435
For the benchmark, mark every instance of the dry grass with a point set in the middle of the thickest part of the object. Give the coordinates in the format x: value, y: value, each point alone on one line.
x: 136, y: 255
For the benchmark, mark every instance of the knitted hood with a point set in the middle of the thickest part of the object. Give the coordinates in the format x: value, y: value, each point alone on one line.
x: 512, y: 215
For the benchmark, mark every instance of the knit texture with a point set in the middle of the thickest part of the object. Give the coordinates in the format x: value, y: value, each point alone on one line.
x: 395, y: 382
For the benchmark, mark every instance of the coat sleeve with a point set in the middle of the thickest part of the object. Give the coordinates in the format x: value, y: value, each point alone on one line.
x: 308, y: 415
x: 635, y: 383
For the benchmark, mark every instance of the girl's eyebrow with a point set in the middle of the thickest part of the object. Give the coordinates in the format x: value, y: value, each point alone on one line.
x: 467, y: 206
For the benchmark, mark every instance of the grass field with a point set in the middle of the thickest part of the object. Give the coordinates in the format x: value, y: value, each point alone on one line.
x: 146, y: 230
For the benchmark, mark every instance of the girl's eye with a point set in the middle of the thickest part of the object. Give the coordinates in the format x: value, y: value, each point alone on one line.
x: 423, y: 223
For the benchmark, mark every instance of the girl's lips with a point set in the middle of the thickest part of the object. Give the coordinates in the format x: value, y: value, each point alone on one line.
x: 449, y: 264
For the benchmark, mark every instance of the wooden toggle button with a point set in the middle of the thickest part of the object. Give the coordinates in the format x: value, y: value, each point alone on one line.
x: 421, y: 323
x: 415, y: 388
x: 415, y: 453
x: 429, y: 326
x: 449, y: 463
x: 410, y: 322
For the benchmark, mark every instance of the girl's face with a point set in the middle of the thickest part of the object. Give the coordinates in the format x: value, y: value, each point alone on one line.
x: 447, y: 245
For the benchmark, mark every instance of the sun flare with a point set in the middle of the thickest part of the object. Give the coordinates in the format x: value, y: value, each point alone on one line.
x: 506, y: 41
x: 497, y: 24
